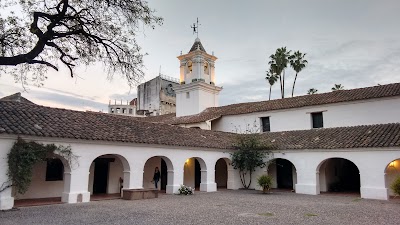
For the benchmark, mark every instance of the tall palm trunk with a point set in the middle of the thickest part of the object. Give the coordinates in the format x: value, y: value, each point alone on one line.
x: 283, y: 85
x: 294, y: 83
x: 280, y: 83
x: 270, y: 88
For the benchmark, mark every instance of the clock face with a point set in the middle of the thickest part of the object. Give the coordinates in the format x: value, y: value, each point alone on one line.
x: 189, y: 66
x: 206, y: 67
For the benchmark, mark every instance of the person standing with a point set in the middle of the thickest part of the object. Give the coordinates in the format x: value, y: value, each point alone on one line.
x: 156, y: 177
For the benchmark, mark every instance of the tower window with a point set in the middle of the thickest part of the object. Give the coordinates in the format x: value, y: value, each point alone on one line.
x: 266, y: 126
x: 317, y: 120
x: 187, y: 94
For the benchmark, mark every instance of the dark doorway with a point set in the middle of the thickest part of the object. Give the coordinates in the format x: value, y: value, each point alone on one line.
x: 284, y: 174
x: 197, y: 174
x: 164, y: 175
x: 221, y: 173
x: 343, y: 175
x: 101, y: 167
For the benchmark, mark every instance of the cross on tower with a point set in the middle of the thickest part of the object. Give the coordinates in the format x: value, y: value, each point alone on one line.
x: 195, y: 27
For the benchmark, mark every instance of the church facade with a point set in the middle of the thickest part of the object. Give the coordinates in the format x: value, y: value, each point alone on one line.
x: 340, y: 141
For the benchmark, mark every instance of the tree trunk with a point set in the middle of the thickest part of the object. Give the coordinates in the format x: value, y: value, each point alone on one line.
x: 283, y: 84
x: 280, y: 82
x: 294, y: 84
x: 248, y: 186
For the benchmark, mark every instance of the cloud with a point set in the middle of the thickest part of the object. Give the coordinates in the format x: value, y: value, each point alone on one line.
x: 124, y: 97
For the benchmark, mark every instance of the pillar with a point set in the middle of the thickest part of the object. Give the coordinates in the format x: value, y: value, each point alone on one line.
x: 175, y: 179
x: 6, y: 199
x: 76, y: 185
x: 373, y: 184
x: 208, y: 181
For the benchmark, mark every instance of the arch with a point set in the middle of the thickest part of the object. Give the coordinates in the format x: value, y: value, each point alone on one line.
x: 223, y: 177
x: 49, y: 178
x: 283, y: 173
x: 338, y: 174
x: 392, y: 171
x: 166, y: 169
x: 108, y: 174
x: 194, y: 172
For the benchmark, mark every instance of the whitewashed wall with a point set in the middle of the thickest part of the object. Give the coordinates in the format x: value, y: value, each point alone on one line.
x: 130, y: 164
x: 372, y: 164
x: 376, y: 111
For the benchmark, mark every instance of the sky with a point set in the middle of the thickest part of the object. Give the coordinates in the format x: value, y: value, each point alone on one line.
x: 354, y: 43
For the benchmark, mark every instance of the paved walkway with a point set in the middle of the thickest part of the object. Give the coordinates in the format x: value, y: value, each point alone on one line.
x: 224, y: 207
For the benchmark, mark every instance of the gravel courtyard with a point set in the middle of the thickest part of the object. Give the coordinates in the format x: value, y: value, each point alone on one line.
x: 224, y: 207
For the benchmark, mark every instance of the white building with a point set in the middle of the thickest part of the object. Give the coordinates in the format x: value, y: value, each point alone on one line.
x: 157, y: 96
x: 344, y: 140
x: 128, y: 109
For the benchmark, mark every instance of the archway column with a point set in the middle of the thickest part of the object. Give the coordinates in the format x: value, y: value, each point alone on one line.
x: 6, y: 199
x: 133, y: 178
x: 372, y: 180
x: 208, y: 181
x: 175, y: 179
x: 76, y: 185
x: 307, y: 179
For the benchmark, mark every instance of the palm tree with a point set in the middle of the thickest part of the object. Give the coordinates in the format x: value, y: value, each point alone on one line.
x: 298, y: 63
x: 278, y: 62
x: 312, y: 91
x: 337, y: 87
x: 272, y: 77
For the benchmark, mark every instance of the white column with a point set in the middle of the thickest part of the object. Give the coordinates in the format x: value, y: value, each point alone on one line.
x: 76, y: 185
x: 307, y: 179
x: 373, y: 183
x: 6, y: 199
x: 175, y: 179
x: 133, y: 179
x: 208, y: 181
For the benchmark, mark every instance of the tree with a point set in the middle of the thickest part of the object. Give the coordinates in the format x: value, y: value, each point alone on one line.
x: 249, y: 155
x: 298, y: 63
x: 73, y: 32
x: 312, y: 91
x: 337, y: 87
x: 272, y: 77
x: 278, y: 63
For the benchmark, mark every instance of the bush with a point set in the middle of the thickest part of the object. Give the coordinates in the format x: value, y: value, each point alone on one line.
x: 395, y: 186
x: 265, y: 182
x: 185, y: 190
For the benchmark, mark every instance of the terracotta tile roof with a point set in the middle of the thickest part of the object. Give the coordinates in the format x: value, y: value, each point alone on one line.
x: 23, y: 119
x: 381, y: 91
x: 17, y: 97
x: 367, y: 136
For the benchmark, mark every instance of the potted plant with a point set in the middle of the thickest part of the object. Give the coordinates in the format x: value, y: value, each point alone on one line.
x: 265, y: 182
x: 185, y: 190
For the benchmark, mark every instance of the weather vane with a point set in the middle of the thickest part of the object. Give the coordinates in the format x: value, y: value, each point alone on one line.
x: 195, y: 27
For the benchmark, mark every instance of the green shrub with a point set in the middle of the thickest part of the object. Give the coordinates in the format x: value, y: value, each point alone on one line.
x: 265, y: 182
x: 395, y: 186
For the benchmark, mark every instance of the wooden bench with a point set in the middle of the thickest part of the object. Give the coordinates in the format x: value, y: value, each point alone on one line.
x: 136, y: 194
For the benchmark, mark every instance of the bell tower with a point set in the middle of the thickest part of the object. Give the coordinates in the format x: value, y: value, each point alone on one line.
x: 197, y: 90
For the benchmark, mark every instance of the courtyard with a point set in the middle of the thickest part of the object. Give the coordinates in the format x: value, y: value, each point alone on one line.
x: 223, y: 207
